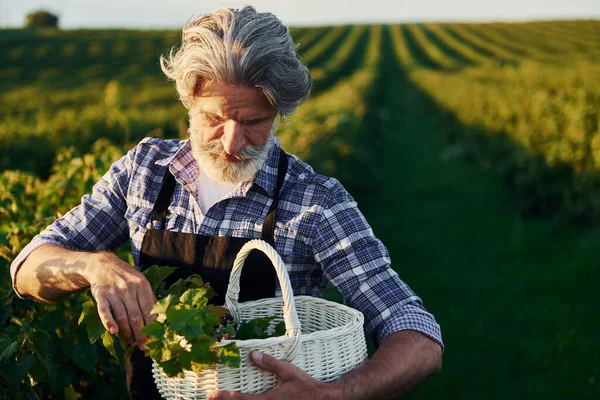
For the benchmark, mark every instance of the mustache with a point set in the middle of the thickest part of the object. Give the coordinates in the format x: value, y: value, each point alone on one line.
x: 215, y: 147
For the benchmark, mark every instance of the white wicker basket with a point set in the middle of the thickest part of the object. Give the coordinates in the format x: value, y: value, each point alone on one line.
x: 323, y: 338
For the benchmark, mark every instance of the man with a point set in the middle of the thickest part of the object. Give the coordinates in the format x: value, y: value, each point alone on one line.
x: 193, y: 204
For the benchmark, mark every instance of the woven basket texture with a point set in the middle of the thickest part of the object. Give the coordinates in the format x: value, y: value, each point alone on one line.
x: 323, y: 338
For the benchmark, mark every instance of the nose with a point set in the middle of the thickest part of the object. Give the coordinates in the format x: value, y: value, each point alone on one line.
x: 233, y: 137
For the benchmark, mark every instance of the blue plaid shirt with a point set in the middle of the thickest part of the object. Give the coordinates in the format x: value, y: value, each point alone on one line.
x: 320, y: 233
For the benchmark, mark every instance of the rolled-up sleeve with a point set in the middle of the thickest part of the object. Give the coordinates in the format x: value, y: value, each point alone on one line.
x: 358, y: 265
x: 98, y: 223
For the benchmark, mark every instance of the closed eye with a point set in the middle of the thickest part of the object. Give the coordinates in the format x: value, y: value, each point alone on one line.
x: 254, y: 121
x: 214, y: 118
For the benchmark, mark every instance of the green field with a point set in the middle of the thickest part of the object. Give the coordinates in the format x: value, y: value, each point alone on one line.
x: 472, y: 149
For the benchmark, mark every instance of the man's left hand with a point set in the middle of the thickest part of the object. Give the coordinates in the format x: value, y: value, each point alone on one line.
x: 292, y: 383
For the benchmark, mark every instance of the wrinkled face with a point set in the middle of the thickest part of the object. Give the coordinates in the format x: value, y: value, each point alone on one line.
x: 231, y: 131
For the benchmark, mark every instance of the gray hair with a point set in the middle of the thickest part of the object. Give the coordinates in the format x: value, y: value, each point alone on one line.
x: 239, y: 47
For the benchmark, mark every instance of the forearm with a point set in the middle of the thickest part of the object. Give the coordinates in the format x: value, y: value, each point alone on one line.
x: 51, y: 272
x: 402, y: 361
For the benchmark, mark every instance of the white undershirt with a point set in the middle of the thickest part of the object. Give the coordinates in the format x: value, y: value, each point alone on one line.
x: 211, y: 192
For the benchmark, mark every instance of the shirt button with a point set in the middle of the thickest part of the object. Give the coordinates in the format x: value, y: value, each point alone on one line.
x: 301, y: 177
x: 149, y: 225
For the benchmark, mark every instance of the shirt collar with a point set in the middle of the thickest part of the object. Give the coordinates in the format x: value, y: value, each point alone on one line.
x: 266, y: 177
x: 184, y: 168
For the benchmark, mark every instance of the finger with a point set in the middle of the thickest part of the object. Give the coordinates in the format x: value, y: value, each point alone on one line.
x: 283, y: 370
x: 135, y: 319
x: 224, y: 395
x: 120, y: 315
x: 146, y: 300
x: 105, y: 315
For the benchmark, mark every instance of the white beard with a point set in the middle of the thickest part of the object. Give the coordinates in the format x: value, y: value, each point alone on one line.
x: 249, y: 160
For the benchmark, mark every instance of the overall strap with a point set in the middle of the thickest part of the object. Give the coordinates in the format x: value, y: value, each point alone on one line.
x: 159, y: 212
x: 268, y: 232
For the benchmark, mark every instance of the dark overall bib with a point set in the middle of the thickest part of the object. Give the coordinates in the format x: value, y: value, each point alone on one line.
x: 209, y: 256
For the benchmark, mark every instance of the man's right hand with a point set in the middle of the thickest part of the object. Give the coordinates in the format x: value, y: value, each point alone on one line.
x: 123, y: 294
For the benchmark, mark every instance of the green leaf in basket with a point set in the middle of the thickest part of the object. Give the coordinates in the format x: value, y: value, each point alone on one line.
x: 171, y: 350
x: 229, y: 328
x: 191, y: 282
x: 254, y: 329
x: 155, y: 348
x: 203, y: 350
x: 229, y: 355
x: 199, y: 367
x: 187, y: 322
x: 210, y: 292
x: 155, y: 329
x: 280, y: 329
x: 264, y: 322
x: 172, y: 368
x: 246, y: 329
x: 162, y: 307
x: 219, y: 310
x: 195, y: 297
x: 185, y: 359
x: 194, y: 281
x: 211, y: 320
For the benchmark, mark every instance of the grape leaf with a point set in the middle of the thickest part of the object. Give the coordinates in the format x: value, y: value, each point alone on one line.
x: 187, y: 322
x: 211, y: 320
x: 4, y: 343
x: 171, y: 350
x: 15, y: 372
x: 185, y: 359
x: 109, y: 342
x: 191, y: 282
x: 9, y: 352
x: 254, y: 329
x: 19, y: 322
x: 229, y: 328
x: 155, y: 348
x: 203, y: 351
x: 40, y: 371
x: 155, y: 329
x: 156, y: 274
x: 210, y: 292
x: 40, y: 341
x: 280, y: 329
x: 93, y: 324
x: 70, y: 393
x: 194, y: 297
x: 229, y: 355
x: 220, y: 311
x: 28, y: 393
x: 195, y: 281
x: 162, y: 306
x: 82, y: 354
x: 172, y: 368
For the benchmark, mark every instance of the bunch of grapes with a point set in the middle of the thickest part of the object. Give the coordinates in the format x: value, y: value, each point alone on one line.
x: 226, y: 329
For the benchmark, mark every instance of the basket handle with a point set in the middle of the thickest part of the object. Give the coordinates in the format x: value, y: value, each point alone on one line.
x: 290, y: 315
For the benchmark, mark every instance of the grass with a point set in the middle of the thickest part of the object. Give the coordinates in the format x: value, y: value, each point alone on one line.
x: 516, y: 299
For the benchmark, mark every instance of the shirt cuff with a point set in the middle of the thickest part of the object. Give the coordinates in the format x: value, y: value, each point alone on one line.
x: 410, y: 317
x: 22, y: 256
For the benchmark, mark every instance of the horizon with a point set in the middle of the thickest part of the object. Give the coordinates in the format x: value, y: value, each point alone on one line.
x: 155, y: 15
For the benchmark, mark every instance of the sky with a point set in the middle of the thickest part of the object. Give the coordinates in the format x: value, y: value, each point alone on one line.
x: 174, y: 13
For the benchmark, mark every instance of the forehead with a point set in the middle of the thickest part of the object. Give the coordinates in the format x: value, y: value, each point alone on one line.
x: 227, y: 99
